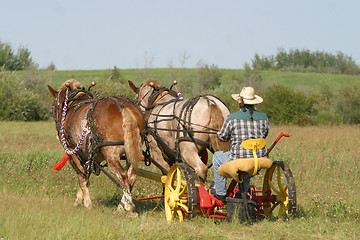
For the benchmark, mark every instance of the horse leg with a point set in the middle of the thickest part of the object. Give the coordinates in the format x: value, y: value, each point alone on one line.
x: 111, y: 155
x: 131, y: 174
x: 79, y: 198
x: 190, y: 154
x: 157, y: 154
x: 83, y: 194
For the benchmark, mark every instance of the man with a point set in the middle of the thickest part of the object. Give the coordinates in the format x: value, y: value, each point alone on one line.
x: 247, y: 123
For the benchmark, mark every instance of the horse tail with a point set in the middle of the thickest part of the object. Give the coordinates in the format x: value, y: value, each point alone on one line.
x: 132, y: 138
x: 216, y: 121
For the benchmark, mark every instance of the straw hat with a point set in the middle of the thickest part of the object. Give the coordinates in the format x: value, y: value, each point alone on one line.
x: 248, y: 96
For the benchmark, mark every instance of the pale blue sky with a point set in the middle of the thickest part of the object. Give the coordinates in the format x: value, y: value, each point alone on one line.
x: 89, y: 34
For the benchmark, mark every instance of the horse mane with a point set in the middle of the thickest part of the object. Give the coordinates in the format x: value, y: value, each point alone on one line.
x: 73, y: 84
x: 152, y: 80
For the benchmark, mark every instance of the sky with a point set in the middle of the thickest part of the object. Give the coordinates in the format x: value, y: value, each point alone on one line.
x: 89, y: 34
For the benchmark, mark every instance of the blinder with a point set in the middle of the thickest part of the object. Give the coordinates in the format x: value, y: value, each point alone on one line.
x: 52, y: 112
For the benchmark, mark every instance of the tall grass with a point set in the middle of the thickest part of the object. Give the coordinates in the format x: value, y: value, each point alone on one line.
x: 36, y: 202
x: 296, y: 80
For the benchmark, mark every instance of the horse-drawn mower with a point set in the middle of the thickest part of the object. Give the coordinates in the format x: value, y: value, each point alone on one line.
x: 186, y: 196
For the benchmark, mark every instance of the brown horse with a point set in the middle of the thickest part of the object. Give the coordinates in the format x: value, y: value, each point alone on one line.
x: 181, y: 129
x: 95, y: 130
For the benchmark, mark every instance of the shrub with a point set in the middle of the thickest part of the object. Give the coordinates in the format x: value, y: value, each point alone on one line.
x: 19, y: 103
x: 283, y: 105
x: 349, y: 104
x: 116, y: 76
x: 209, y: 77
x: 324, y: 109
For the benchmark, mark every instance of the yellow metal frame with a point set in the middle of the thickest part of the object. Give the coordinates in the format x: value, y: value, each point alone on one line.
x: 175, y: 197
x: 151, y: 175
x: 254, y: 144
x: 273, y: 181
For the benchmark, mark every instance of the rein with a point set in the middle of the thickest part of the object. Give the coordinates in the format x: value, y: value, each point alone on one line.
x: 89, y: 133
x: 186, y: 111
x: 184, y: 119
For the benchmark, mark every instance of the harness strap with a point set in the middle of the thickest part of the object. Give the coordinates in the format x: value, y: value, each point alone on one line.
x: 108, y: 174
x: 160, y: 96
x: 93, y: 140
x: 184, y: 126
x: 189, y: 131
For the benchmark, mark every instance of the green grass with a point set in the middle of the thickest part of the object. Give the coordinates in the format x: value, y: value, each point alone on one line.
x: 36, y: 202
x: 297, y: 80
x: 309, y: 81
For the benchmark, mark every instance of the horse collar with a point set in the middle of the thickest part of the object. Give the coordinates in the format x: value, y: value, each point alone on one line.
x: 160, y: 96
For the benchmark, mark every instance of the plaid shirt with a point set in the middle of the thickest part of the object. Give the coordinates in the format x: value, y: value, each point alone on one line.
x: 238, y: 127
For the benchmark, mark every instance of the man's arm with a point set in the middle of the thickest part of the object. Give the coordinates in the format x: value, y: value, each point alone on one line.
x: 224, y: 133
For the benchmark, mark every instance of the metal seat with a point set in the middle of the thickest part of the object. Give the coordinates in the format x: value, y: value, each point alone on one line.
x: 236, y: 168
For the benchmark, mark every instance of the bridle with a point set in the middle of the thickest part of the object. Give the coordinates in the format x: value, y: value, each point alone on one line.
x: 72, y: 95
x: 140, y: 99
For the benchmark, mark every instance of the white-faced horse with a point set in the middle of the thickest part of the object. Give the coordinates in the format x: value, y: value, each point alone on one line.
x: 96, y: 130
x: 181, y: 129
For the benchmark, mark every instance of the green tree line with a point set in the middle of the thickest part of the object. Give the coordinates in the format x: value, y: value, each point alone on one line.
x: 307, y: 61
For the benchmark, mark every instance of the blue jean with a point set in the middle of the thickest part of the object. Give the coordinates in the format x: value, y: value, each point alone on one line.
x: 220, y: 158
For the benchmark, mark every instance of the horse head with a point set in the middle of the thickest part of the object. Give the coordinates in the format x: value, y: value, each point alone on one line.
x: 145, y: 90
x: 150, y: 91
x: 60, y: 95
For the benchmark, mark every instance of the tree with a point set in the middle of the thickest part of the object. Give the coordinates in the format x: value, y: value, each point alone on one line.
x: 6, y: 56
x: 252, y: 77
x: 116, y: 75
x: 184, y: 56
x: 307, y: 61
x: 51, y: 67
x: 11, y: 61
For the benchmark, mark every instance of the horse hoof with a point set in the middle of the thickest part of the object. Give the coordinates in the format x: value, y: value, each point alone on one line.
x: 132, y: 214
x: 88, y: 205
x: 120, y: 208
x: 77, y: 203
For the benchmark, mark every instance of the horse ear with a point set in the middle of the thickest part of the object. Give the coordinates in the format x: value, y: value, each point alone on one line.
x: 53, y: 91
x: 132, y: 86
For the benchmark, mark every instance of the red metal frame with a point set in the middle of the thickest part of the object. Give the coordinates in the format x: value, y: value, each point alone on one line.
x: 210, y: 206
x: 208, y: 203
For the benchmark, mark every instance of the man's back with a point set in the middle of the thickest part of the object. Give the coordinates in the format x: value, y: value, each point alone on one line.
x: 241, y: 125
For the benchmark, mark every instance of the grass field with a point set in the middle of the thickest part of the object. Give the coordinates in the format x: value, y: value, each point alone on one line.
x: 296, y: 80
x: 36, y: 202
